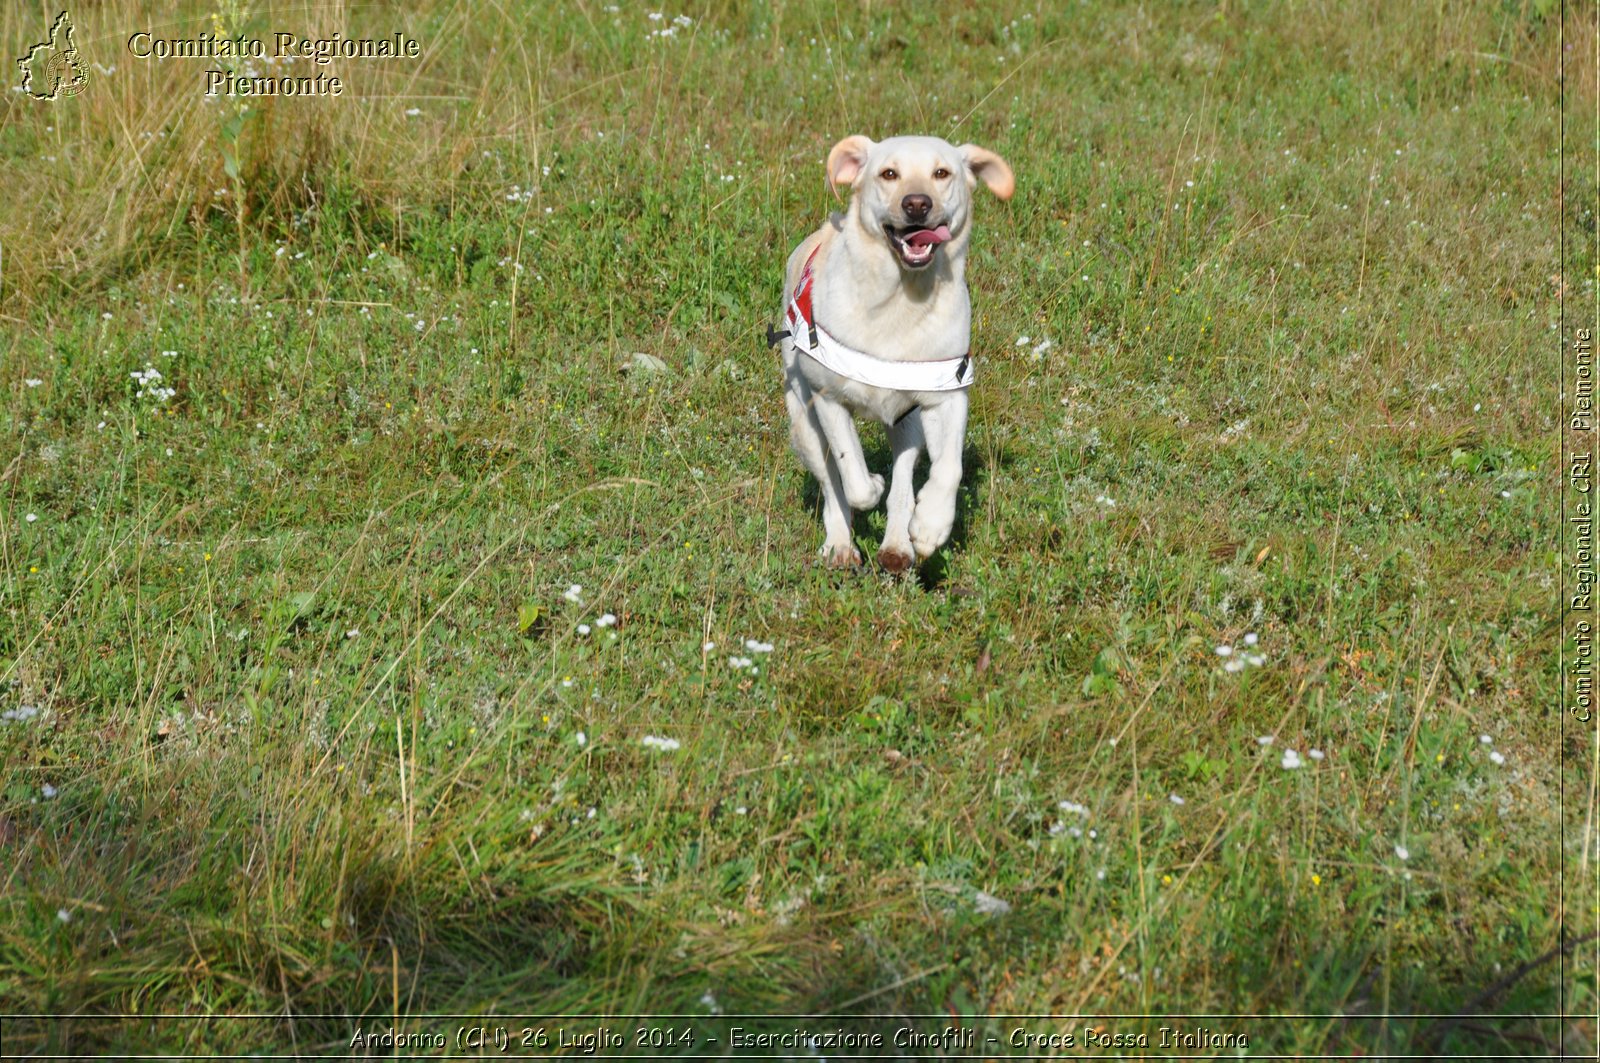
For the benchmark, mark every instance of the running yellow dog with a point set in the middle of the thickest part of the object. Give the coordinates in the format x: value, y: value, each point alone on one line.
x: 878, y: 325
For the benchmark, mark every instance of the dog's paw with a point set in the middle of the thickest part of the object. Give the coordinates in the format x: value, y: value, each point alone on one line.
x: 869, y: 499
x: 842, y: 556
x: 929, y: 533
x: 894, y: 560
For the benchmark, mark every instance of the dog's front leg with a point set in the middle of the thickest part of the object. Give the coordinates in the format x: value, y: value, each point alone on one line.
x: 809, y: 443
x: 943, y: 427
x: 905, y: 439
x: 862, y: 489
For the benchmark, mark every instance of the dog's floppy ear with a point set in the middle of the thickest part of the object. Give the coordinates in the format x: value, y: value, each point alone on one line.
x: 846, y: 161
x: 989, y: 168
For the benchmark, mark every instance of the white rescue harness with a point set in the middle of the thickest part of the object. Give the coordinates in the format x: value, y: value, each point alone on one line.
x: 809, y: 337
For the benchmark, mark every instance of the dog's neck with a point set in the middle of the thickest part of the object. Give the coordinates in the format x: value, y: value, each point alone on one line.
x: 930, y: 304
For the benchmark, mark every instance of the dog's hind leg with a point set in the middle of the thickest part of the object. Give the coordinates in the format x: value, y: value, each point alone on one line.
x: 905, y: 439
x: 805, y: 434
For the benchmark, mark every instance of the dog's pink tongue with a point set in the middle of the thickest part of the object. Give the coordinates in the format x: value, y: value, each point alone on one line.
x: 923, y: 237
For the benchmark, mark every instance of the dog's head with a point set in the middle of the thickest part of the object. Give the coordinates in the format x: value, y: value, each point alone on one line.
x: 916, y: 192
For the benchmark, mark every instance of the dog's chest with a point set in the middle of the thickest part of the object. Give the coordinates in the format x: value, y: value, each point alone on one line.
x: 887, y: 405
x: 895, y: 326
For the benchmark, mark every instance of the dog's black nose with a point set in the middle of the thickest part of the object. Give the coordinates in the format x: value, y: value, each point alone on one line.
x: 916, y: 208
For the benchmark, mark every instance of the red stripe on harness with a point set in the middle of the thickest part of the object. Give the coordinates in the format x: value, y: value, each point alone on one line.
x: 802, y: 294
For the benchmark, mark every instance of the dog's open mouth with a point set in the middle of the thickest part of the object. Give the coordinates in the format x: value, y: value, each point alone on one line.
x: 914, y: 244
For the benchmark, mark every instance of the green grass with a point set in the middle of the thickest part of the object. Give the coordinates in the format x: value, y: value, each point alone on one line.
x: 309, y: 689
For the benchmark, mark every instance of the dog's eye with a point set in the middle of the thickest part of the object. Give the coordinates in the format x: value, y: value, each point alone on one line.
x: 889, y: 174
x: 940, y: 174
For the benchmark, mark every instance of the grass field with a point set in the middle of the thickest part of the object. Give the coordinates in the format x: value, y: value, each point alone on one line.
x: 349, y: 553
